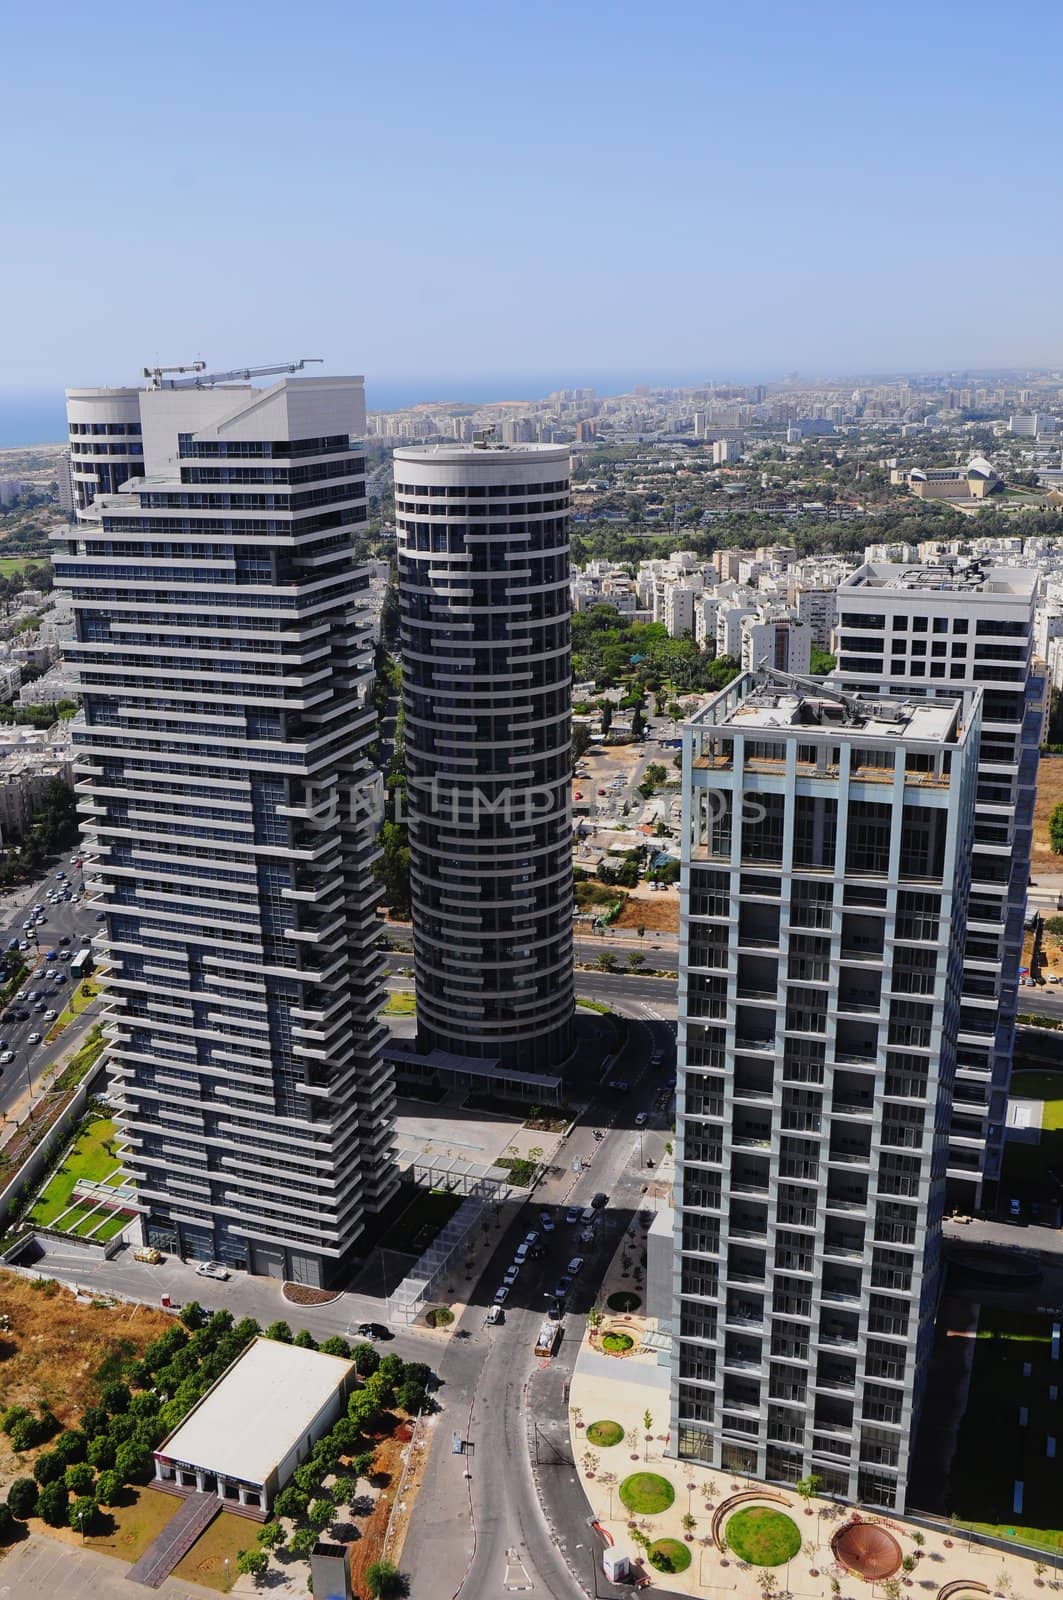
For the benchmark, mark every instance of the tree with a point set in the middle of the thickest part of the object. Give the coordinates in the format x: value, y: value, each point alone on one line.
x: 82, y: 1513
x: 820, y: 662
x: 252, y: 1563
x: 690, y: 1522
x: 338, y: 1346
x: 22, y: 1498
x: 305, y: 1340
x: 291, y: 1502
x: 321, y: 1513
x: 52, y: 1503
x: 132, y: 1462
x: 768, y: 1581
x: 279, y: 1331
x: 109, y: 1488
x: 908, y: 1563
x: 48, y: 1468
x: 382, y: 1579
x: 808, y: 1487
x: 366, y: 1360
x: 192, y: 1315
x: 302, y: 1542
x: 1055, y: 829
x: 115, y: 1397
x: 79, y: 1477
x: 71, y: 1445
x: 270, y: 1535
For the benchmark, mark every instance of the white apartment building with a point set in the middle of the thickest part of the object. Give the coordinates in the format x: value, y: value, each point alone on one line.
x: 826, y: 852
x: 726, y: 450
x: 679, y: 600
x: 949, y: 627
x: 706, y: 609
x: 1031, y: 425
x: 817, y: 608
x: 729, y: 627
x: 773, y: 639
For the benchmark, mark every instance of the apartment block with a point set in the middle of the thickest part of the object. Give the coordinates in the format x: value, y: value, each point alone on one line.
x: 222, y: 651
x: 824, y: 893
x: 925, y: 629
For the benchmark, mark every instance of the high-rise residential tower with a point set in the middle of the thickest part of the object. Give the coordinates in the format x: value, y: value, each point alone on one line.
x: 483, y: 545
x: 924, y: 630
x: 225, y: 668
x: 826, y: 860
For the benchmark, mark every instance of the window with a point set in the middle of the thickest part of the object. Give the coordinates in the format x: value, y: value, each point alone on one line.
x: 856, y: 619
x: 900, y: 622
x: 919, y: 624
x: 941, y: 624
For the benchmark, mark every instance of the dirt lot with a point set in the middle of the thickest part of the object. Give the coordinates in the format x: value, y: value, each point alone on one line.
x: 55, y: 1349
x: 655, y: 910
x: 1049, y: 795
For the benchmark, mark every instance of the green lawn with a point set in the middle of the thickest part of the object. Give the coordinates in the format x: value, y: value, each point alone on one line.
x: 604, y: 1434
x: 645, y: 1494
x: 669, y: 1555
x: 1027, y: 1165
x: 85, y: 1220
x: 205, y: 1562
x: 136, y: 1525
x: 982, y: 1481
x: 763, y: 1537
x: 89, y: 1158
x: 77, y: 1003
x: 402, y: 1003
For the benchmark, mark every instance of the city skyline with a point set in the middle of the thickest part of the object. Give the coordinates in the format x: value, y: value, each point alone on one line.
x: 731, y: 193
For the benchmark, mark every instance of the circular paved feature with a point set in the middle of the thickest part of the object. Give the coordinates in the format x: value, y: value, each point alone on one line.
x: 868, y: 1550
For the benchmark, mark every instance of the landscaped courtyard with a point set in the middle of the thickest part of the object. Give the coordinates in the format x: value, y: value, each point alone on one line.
x: 763, y: 1537
x: 92, y: 1158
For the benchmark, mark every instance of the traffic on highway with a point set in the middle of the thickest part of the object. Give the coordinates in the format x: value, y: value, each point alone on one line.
x: 46, y: 928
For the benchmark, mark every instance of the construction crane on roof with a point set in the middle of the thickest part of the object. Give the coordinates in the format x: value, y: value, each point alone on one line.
x: 199, y: 379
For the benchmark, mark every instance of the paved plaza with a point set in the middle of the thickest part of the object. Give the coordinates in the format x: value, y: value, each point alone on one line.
x: 41, y: 1568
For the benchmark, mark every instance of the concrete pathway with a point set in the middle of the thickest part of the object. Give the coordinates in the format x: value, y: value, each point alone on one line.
x: 192, y: 1517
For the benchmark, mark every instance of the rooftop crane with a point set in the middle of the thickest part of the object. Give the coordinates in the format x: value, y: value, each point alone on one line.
x: 199, y: 379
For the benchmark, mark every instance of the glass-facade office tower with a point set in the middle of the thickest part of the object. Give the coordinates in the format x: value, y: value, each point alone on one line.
x: 824, y: 890
x: 483, y: 546
x: 935, y: 629
x: 224, y: 662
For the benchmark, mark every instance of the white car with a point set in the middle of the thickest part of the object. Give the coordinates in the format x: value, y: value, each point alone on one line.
x: 34, y: 1038
x: 546, y: 1222
x: 212, y: 1269
x: 494, y: 1316
x: 8, y: 1055
x: 575, y: 1267
x: 521, y: 1253
x: 640, y: 1119
x: 511, y: 1274
x: 531, y: 1237
x: 50, y: 1016
x: 501, y: 1296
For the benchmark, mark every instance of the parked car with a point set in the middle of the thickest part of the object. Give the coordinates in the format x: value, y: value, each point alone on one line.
x: 373, y: 1330
x: 640, y: 1119
x: 495, y: 1314
x: 34, y: 1038
x: 511, y: 1274
x: 575, y: 1267
x: 501, y: 1296
x: 600, y: 1201
x: 572, y: 1215
x: 521, y: 1253
x: 561, y: 1288
x: 532, y: 1236
x: 1014, y: 1207
x: 546, y: 1222
x: 212, y: 1269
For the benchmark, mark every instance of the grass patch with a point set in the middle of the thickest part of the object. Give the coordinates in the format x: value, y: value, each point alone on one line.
x: 87, y: 1222
x: 428, y: 1212
x: 982, y: 1482
x: 594, y: 1005
x: 616, y: 1344
x: 80, y: 1063
x: 401, y: 1004
x: 1026, y: 1166
x: 90, y: 1156
x: 624, y: 1300
x: 669, y: 1555
x: 763, y: 1537
x: 205, y: 1562
x: 79, y: 999
x: 520, y: 1169
x: 135, y: 1525
x: 604, y: 1434
x: 645, y: 1494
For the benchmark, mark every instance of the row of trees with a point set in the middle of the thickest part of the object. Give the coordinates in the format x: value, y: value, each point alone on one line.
x: 54, y: 827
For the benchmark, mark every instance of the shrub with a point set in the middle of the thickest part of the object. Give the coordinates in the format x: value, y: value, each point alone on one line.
x: 79, y: 1477
x: 109, y: 1488
x: 144, y: 1405
x: 8, y: 1526
x: 95, y: 1420
x: 22, y: 1497
x: 71, y: 1445
x: 26, y: 1434
x: 307, y: 1477
x: 270, y: 1535
x: 11, y: 1416
x: 305, y: 1340
x: 279, y: 1331
x: 411, y: 1397
x: 382, y: 1579
x: 192, y: 1315
x: 52, y: 1503
x: 48, y: 1467
x: 338, y: 1346
x: 83, y: 1513
x: 101, y: 1451
x: 1055, y: 829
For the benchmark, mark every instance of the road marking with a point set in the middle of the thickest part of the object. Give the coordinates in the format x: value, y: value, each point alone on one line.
x: 516, y: 1579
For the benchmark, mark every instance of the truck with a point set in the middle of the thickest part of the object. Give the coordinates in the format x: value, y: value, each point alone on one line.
x: 546, y: 1339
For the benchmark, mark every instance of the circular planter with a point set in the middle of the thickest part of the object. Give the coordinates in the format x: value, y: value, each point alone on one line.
x: 646, y: 1494
x: 763, y: 1537
x: 668, y: 1555
x: 617, y: 1343
x: 604, y: 1433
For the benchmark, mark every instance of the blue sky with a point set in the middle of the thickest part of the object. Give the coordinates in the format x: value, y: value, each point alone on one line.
x: 443, y: 192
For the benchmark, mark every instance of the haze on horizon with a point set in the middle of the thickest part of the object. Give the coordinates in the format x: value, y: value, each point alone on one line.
x: 420, y: 194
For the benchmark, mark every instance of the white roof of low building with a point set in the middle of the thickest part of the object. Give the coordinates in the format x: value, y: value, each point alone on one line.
x: 246, y: 1424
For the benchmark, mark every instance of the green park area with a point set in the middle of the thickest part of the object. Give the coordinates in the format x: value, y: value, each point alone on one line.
x: 81, y: 995
x: 1013, y: 1399
x: 1028, y: 1165
x: 401, y: 1003
x: 763, y: 1537
x: 91, y: 1158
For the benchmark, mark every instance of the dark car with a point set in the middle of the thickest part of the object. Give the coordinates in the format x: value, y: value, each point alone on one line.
x: 600, y: 1201
x: 564, y: 1284
x: 373, y: 1330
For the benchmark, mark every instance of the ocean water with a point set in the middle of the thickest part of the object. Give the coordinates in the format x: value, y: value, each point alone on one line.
x: 38, y: 416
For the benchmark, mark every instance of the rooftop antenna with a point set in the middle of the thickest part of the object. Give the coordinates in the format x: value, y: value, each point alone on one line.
x: 197, y: 378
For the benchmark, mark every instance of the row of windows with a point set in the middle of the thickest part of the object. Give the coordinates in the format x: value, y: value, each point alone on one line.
x: 97, y: 428
x: 473, y: 491
x: 869, y: 622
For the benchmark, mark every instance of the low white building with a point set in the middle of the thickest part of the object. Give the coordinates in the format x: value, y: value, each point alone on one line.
x: 260, y: 1421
